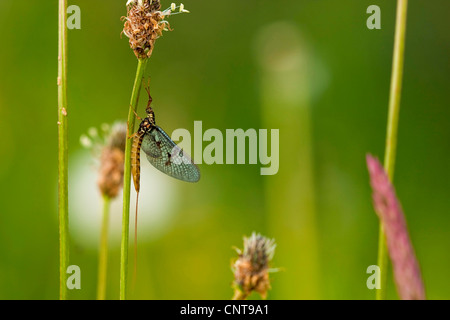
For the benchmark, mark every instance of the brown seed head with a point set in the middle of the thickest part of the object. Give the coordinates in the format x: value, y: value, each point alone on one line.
x: 112, y: 157
x: 110, y: 177
x: 251, y: 269
x: 117, y: 136
x: 109, y: 148
x: 143, y: 25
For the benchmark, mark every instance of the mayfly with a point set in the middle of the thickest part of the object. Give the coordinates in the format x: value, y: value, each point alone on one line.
x: 164, y: 154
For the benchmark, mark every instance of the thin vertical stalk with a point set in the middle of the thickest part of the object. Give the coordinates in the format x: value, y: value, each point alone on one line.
x: 103, y: 253
x: 392, y: 128
x: 63, y: 205
x: 142, y: 63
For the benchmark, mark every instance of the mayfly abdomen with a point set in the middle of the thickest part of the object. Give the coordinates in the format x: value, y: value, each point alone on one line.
x: 136, y: 159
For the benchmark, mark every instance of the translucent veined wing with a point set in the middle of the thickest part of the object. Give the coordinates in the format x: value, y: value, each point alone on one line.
x: 167, y: 157
x: 150, y: 146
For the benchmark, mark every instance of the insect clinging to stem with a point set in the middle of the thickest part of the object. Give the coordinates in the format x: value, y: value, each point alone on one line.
x: 164, y: 154
x: 161, y: 151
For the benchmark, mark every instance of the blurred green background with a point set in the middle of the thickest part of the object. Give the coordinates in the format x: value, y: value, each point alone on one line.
x: 311, y: 69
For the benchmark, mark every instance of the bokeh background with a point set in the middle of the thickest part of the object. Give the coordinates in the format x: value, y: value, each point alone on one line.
x: 311, y: 69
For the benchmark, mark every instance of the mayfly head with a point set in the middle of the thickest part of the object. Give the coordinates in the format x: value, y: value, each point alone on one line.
x: 149, y: 109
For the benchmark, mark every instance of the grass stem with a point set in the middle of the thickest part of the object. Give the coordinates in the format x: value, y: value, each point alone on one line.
x: 142, y: 63
x: 103, y: 253
x: 63, y: 204
x: 392, y: 129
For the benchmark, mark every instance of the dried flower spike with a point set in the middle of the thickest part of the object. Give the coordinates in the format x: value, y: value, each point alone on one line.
x: 110, y: 149
x: 251, y: 269
x: 110, y: 177
x: 145, y: 23
x: 406, y: 268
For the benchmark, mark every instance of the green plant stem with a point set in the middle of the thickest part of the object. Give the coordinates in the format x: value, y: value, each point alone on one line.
x: 103, y: 253
x: 142, y: 63
x: 392, y: 129
x: 63, y: 204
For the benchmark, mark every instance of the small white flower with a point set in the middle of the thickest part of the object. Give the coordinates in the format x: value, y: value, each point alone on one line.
x: 141, y: 3
x: 93, y: 132
x: 182, y: 8
x: 170, y: 11
x: 105, y: 127
x: 85, y: 141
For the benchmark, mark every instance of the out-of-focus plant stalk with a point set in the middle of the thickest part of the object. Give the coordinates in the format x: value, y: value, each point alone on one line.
x: 109, y: 149
x: 103, y: 255
x: 142, y: 63
x: 290, y: 195
x: 392, y: 129
x: 63, y: 204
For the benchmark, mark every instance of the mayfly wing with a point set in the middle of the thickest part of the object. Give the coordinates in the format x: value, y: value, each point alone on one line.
x: 150, y: 146
x: 169, y: 158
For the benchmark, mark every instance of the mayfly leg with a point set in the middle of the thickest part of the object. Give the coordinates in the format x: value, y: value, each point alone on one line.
x: 129, y: 136
x: 149, y: 109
